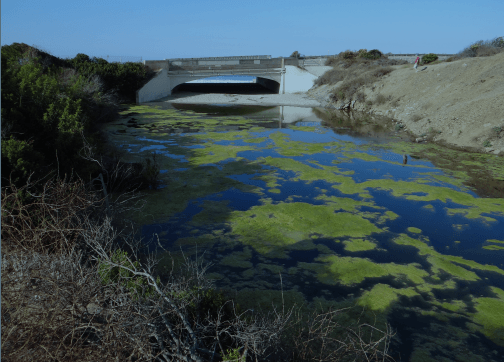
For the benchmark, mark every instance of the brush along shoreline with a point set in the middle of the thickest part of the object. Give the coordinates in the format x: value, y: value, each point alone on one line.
x: 459, y: 103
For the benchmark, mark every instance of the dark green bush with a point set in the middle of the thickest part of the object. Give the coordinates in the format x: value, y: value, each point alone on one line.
x: 429, y: 58
x: 109, y: 274
x: 348, y: 54
x: 498, y: 42
x: 49, y: 103
x: 361, y: 53
x: 373, y: 54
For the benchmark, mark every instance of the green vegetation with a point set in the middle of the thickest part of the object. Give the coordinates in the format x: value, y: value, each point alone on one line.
x: 429, y: 58
x: 482, y: 48
x: 65, y: 244
x: 356, y: 69
x: 50, y: 106
x: 115, y: 274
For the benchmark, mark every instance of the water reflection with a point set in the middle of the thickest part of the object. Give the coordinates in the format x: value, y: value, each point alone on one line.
x: 291, y: 187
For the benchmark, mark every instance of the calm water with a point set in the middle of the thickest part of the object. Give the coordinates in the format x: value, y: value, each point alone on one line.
x: 327, y: 201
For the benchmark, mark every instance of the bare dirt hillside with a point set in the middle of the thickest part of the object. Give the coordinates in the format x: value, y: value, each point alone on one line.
x: 460, y: 103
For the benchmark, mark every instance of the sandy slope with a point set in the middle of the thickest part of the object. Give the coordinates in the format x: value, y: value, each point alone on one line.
x: 461, y: 102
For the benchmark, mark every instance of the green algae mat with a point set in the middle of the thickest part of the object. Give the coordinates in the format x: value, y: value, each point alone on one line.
x: 341, y: 217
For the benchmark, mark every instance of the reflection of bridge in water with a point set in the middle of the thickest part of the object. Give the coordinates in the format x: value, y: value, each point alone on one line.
x: 277, y: 114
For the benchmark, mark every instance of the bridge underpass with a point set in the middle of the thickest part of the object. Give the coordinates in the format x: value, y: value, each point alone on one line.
x: 277, y: 75
x: 256, y: 86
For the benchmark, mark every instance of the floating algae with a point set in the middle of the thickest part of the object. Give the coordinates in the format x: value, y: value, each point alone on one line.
x: 332, y: 218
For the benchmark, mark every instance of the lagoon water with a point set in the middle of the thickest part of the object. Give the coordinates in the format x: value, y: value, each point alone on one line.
x: 326, y: 201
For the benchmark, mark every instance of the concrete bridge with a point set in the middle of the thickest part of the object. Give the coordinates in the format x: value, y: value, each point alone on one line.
x: 281, y: 75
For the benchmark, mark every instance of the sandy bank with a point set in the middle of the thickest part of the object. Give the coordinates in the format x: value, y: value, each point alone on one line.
x: 460, y: 103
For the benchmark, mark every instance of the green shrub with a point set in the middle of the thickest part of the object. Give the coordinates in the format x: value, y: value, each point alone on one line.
x: 429, y: 58
x: 498, y: 42
x: 232, y: 355
x: 373, y: 54
x: 19, y: 159
x: 487, y: 144
x: 348, y: 54
x: 361, y: 53
x: 136, y: 285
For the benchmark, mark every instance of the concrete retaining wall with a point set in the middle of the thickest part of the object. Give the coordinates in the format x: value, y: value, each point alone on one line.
x: 157, y: 87
x: 297, y: 80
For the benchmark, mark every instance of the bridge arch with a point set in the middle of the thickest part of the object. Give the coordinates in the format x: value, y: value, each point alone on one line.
x: 270, y: 81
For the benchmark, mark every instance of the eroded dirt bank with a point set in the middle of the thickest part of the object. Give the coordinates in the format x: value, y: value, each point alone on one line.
x: 460, y: 103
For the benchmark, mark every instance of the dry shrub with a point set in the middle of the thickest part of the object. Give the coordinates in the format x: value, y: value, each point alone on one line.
x: 53, y: 309
x: 380, y: 72
x: 332, y: 61
x: 486, y: 51
x: 350, y: 87
x: 360, y: 97
x: 58, y: 303
x: 355, y: 70
x: 45, y: 221
x: 330, y: 77
x: 381, y: 99
x: 320, y: 337
x: 416, y: 117
x: 482, y: 48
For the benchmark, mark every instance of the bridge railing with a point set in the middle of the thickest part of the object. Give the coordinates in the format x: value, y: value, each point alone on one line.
x: 218, y: 71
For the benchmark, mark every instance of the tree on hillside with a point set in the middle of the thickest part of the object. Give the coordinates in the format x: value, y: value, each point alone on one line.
x: 295, y: 54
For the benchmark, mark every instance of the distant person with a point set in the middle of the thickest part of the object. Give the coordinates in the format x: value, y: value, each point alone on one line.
x: 417, y: 60
x: 404, y: 159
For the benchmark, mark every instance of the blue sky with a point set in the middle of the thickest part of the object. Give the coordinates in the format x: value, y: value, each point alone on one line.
x: 188, y: 28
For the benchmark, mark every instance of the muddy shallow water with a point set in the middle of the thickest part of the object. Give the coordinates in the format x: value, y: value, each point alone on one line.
x: 348, y: 213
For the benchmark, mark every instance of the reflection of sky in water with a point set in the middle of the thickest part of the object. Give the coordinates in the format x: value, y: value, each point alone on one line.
x: 437, y: 225
x: 152, y: 147
x: 441, y: 229
x: 156, y: 140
